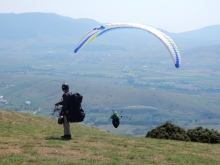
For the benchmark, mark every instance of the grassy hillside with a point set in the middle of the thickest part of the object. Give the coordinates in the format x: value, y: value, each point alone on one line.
x: 30, y: 139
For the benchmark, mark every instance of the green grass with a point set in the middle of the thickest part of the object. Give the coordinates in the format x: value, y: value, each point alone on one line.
x: 31, y: 139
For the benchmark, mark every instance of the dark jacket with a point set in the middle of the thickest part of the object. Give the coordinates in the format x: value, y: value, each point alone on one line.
x: 65, y: 102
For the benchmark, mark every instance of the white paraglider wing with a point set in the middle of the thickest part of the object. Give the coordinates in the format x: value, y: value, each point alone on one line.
x: 168, y: 42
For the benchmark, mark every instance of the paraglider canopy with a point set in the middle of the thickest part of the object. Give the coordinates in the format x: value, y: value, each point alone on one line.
x: 166, y: 40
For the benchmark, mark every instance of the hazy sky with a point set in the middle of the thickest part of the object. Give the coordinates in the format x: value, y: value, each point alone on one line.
x: 170, y: 15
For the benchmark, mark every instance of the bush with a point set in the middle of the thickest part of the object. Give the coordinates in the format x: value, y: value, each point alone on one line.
x: 168, y: 131
x: 200, y: 134
x: 171, y: 131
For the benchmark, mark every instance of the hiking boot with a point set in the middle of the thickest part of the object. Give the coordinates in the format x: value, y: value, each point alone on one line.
x: 66, y: 137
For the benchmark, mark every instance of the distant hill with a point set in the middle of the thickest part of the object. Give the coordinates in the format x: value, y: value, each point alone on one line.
x: 206, y: 36
x: 31, y: 139
x: 52, y: 28
x: 33, y: 25
x: 202, y: 57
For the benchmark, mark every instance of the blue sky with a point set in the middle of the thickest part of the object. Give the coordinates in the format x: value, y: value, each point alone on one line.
x: 170, y: 15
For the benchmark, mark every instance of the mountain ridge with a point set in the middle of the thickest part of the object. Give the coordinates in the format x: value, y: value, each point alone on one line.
x: 41, y: 25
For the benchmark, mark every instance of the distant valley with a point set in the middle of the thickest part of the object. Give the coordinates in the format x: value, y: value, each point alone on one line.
x: 129, y: 71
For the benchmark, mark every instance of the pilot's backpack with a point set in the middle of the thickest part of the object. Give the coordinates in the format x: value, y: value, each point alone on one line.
x: 77, y: 114
x: 115, y: 121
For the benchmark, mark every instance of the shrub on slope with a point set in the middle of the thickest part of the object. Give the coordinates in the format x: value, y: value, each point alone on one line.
x: 173, y: 132
x: 200, y: 134
x: 168, y: 131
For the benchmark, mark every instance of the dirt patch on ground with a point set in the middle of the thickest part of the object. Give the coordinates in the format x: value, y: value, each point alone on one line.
x: 216, y: 150
x: 68, y: 154
x: 5, y: 149
x: 98, y: 144
x: 201, y: 155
